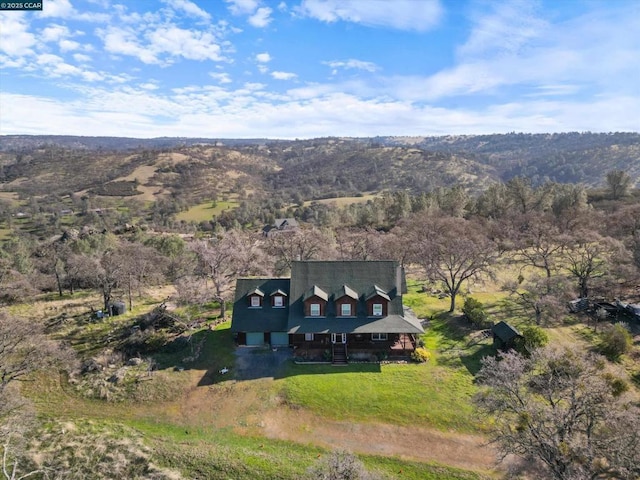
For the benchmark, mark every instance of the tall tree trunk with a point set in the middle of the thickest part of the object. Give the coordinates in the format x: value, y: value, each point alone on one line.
x: 55, y: 270
x: 223, y: 308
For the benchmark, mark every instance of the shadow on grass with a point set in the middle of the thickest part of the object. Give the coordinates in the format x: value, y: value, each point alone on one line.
x: 292, y: 369
x: 472, y: 362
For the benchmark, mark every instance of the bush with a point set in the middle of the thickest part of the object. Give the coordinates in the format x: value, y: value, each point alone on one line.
x: 616, y: 341
x: 421, y: 355
x: 534, y: 337
x: 474, y: 311
x: 340, y: 466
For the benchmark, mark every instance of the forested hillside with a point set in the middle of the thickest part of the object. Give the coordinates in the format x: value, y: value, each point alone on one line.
x: 321, y: 168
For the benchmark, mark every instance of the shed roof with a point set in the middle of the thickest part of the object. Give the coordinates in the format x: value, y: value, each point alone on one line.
x: 505, y: 332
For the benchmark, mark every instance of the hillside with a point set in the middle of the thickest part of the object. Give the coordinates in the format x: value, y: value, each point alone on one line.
x: 310, y: 169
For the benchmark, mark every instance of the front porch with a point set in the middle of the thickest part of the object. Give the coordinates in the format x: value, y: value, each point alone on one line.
x: 356, y: 347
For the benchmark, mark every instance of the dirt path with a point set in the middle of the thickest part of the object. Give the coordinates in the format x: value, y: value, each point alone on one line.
x: 412, y: 443
x: 251, y: 406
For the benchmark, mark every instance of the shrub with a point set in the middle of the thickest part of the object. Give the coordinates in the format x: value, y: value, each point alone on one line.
x: 534, y: 337
x: 421, y: 355
x: 616, y: 341
x: 474, y: 311
x: 340, y: 466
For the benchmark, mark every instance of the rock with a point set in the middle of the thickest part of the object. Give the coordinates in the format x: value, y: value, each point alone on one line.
x: 134, y: 362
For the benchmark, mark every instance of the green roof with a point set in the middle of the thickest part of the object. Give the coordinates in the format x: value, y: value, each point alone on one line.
x: 330, y: 280
x: 505, y: 332
x: 263, y: 319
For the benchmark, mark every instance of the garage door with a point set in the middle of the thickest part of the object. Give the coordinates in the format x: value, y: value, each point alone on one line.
x: 279, y: 339
x: 255, y: 338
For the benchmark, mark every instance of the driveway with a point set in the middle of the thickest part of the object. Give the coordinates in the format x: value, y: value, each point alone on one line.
x: 260, y: 362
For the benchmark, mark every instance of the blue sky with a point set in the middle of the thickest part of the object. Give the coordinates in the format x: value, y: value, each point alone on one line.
x: 314, y: 68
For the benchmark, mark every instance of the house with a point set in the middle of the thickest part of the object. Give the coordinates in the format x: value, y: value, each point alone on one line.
x: 345, y: 309
x: 280, y: 225
x: 504, y: 335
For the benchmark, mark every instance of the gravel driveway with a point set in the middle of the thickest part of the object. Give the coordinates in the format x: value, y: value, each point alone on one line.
x: 260, y: 362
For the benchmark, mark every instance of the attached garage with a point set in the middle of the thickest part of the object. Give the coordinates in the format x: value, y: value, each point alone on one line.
x: 255, y: 338
x: 279, y: 339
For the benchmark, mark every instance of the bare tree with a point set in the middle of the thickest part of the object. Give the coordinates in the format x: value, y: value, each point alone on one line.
x: 539, y: 244
x: 589, y: 256
x: 561, y: 410
x: 340, y: 465
x: 23, y: 350
x: 301, y: 244
x: 139, y: 266
x: 541, y: 297
x: 619, y: 183
x: 452, y: 251
x: 222, y: 260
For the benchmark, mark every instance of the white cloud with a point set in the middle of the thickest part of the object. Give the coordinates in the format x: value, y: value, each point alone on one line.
x: 57, y: 8
x: 243, y: 7
x: 353, y: 64
x: 241, y: 113
x: 166, y: 39
x: 64, y: 9
x: 528, y: 53
x: 15, y: 38
x: 221, y: 77
x: 187, y: 7
x: 54, y: 33
x: 261, y: 18
x: 81, y: 58
x: 190, y: 44
x: 68, y: 45
x: 506, y: 29
x: 263, y: 57
x: 417, y: 15
x: 122, y: 41
x: 283, y: 75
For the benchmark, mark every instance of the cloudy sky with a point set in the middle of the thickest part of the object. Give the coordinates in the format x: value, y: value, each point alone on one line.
x: 313, y: 68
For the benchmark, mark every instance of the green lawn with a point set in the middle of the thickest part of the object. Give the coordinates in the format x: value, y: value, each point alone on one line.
x: 205, y: 211
x: 404, y: 394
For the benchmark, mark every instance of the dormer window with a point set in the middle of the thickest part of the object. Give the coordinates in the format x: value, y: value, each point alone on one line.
x: 378, y: 302
x: 255, y: 298
x: 346, y: 302
x: 315, y: 302
x: 278, y: 299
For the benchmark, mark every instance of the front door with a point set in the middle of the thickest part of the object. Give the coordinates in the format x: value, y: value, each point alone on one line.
x: 338, y: 338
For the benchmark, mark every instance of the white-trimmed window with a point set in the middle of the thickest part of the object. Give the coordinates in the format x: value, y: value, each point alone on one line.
x: 314, y: 309
x: 255, y: 301
x: 379, y: 337
x: 377, y: 309
x: 278, y: 301
x: 345, y: 310
x: 308, y: 337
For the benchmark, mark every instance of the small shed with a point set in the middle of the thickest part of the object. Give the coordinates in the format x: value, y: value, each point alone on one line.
x: 504, y: 335
x: 117, y: 308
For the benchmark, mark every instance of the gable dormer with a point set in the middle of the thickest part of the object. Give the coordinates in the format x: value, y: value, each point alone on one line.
x: 377, y: 302
x: 346, y: 302
x: 255, y: 298
x: 315, y: 302
x: 278, y: 299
